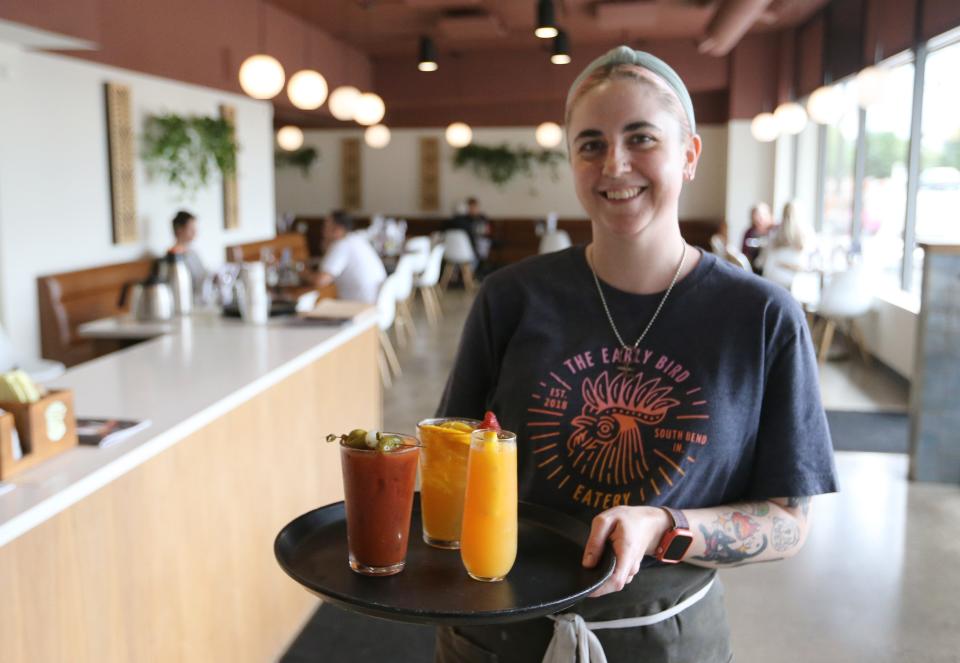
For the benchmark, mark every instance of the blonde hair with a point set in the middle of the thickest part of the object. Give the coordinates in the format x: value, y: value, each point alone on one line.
x: 625, y: 71
x: 794, y: 232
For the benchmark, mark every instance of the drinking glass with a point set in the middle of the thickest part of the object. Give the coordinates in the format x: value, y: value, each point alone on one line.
x: 378, y: 498
x: 488, y: 539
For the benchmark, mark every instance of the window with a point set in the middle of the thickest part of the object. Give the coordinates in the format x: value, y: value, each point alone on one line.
x: 841, y: 144
x: 938, y: 191
x: 884, y: 188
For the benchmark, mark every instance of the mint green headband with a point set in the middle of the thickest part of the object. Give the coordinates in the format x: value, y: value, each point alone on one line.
x: 626, y: 55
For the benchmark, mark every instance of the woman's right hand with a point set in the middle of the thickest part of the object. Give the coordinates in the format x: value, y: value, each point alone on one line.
x: 634, y: 531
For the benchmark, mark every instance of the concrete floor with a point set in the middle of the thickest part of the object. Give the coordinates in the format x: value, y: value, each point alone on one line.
x: 879, y: 577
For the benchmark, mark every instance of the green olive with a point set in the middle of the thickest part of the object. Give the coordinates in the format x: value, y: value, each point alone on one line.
x: 357, y: 439
x: 389, y: 443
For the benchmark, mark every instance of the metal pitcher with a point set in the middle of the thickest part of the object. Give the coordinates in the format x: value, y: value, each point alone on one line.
x: 173, y: 270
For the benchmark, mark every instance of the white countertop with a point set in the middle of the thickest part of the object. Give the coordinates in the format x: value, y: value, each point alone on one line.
x: 180, y: 381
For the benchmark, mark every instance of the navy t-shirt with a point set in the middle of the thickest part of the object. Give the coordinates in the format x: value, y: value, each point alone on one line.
x: 720, y: 403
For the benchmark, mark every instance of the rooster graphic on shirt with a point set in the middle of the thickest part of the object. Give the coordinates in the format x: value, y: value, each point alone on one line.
x: 607, y: 440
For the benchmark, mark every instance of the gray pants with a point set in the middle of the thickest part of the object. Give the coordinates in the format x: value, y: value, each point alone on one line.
x: 699, y: 634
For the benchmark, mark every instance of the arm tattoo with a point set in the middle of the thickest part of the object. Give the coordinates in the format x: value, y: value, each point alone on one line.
x: 733, y: 537
x: 786, y: 533
x: 757, y: 508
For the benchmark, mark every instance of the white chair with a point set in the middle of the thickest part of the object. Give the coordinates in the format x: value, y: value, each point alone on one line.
x: 847, y: 296
x: 459, y: 255
x: 558, y: 240
x: 427, y: 285
x: 39, y: 370
x: 404, y: 275
x: 718, y: 245
x: 419, y: 248
x: 386, y: 315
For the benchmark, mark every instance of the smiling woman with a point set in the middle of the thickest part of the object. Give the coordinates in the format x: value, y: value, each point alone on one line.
x: 674, y: 448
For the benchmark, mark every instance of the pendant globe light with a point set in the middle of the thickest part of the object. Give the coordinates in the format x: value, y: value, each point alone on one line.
x: 290, y: 138
x: 546, y: 20
x: 369, y: 109
x: 765, y: 127
x: 343, y: 102
x: 377, y: 136
x: 549, y: 134
x: 825, y: 105
x: 872, y: 85
x: 459, y: 134
x: 307, y: 89
x: 261, y: 75
x: 427, y: 61
x: 791, y: 117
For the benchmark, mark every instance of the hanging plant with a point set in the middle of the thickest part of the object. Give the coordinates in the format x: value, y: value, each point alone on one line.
x: 304, y: 158
x: 185, y: 150
x: 502, y: 163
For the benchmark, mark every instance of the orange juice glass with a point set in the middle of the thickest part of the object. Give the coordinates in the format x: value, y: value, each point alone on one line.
x: 488, y: 540
x: 443, y: 477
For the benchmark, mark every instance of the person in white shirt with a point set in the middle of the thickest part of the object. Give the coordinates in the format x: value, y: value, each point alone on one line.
x: 350, y: 261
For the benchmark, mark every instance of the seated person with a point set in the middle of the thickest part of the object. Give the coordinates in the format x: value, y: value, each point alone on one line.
x: 789, y: 249
x: 184, y: 232
x: 349, y: 261
x: 461, y: 220
x: 761, y: 223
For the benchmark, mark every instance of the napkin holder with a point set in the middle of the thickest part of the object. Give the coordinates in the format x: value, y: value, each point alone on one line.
x: 46, y: 428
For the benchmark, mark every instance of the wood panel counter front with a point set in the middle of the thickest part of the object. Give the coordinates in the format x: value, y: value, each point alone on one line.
x: 160, y: 548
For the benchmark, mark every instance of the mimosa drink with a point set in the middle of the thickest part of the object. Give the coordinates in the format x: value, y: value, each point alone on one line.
x: 443, y: 478
x: 488, y: 539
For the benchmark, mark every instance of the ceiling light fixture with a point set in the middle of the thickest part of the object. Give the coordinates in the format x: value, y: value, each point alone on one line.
x: 428, y: 55
x: 549, y: 134
x: 369, y: 109
x: 872, y: 85
x: 561, y: 49
x: 307, y: 89
x: 377, y: 136
x: 290, y: 138
x: 459, y: 134
x: 546, y: 20
x: 343, y: 102
x: 791, y: 117
x: 825, y: 105
x: 262, y: 76
x: 765, y: 127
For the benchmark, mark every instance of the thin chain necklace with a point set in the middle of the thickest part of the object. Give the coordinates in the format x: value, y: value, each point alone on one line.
x: 630, y: 350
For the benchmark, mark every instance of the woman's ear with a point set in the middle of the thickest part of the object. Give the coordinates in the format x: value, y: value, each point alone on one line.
x: 691, y: 155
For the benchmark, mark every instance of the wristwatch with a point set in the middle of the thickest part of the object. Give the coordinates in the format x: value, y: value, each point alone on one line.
x: 675, y: 541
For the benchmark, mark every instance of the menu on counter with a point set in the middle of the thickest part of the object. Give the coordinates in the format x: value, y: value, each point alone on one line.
x: 106, y: 432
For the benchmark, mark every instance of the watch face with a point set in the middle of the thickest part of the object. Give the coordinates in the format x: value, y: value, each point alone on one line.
x: 678, y: 546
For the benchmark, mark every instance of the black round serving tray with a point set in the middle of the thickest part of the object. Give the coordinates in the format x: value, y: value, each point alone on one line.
x: 434, y: 588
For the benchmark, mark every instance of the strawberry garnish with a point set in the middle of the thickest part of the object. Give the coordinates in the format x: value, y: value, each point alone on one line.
x: 490, y: 421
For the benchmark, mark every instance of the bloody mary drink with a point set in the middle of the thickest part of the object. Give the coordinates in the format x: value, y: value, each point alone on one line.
x: 378, y: 496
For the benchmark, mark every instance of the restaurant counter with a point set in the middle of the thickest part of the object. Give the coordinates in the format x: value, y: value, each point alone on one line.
x: 160, y: 547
